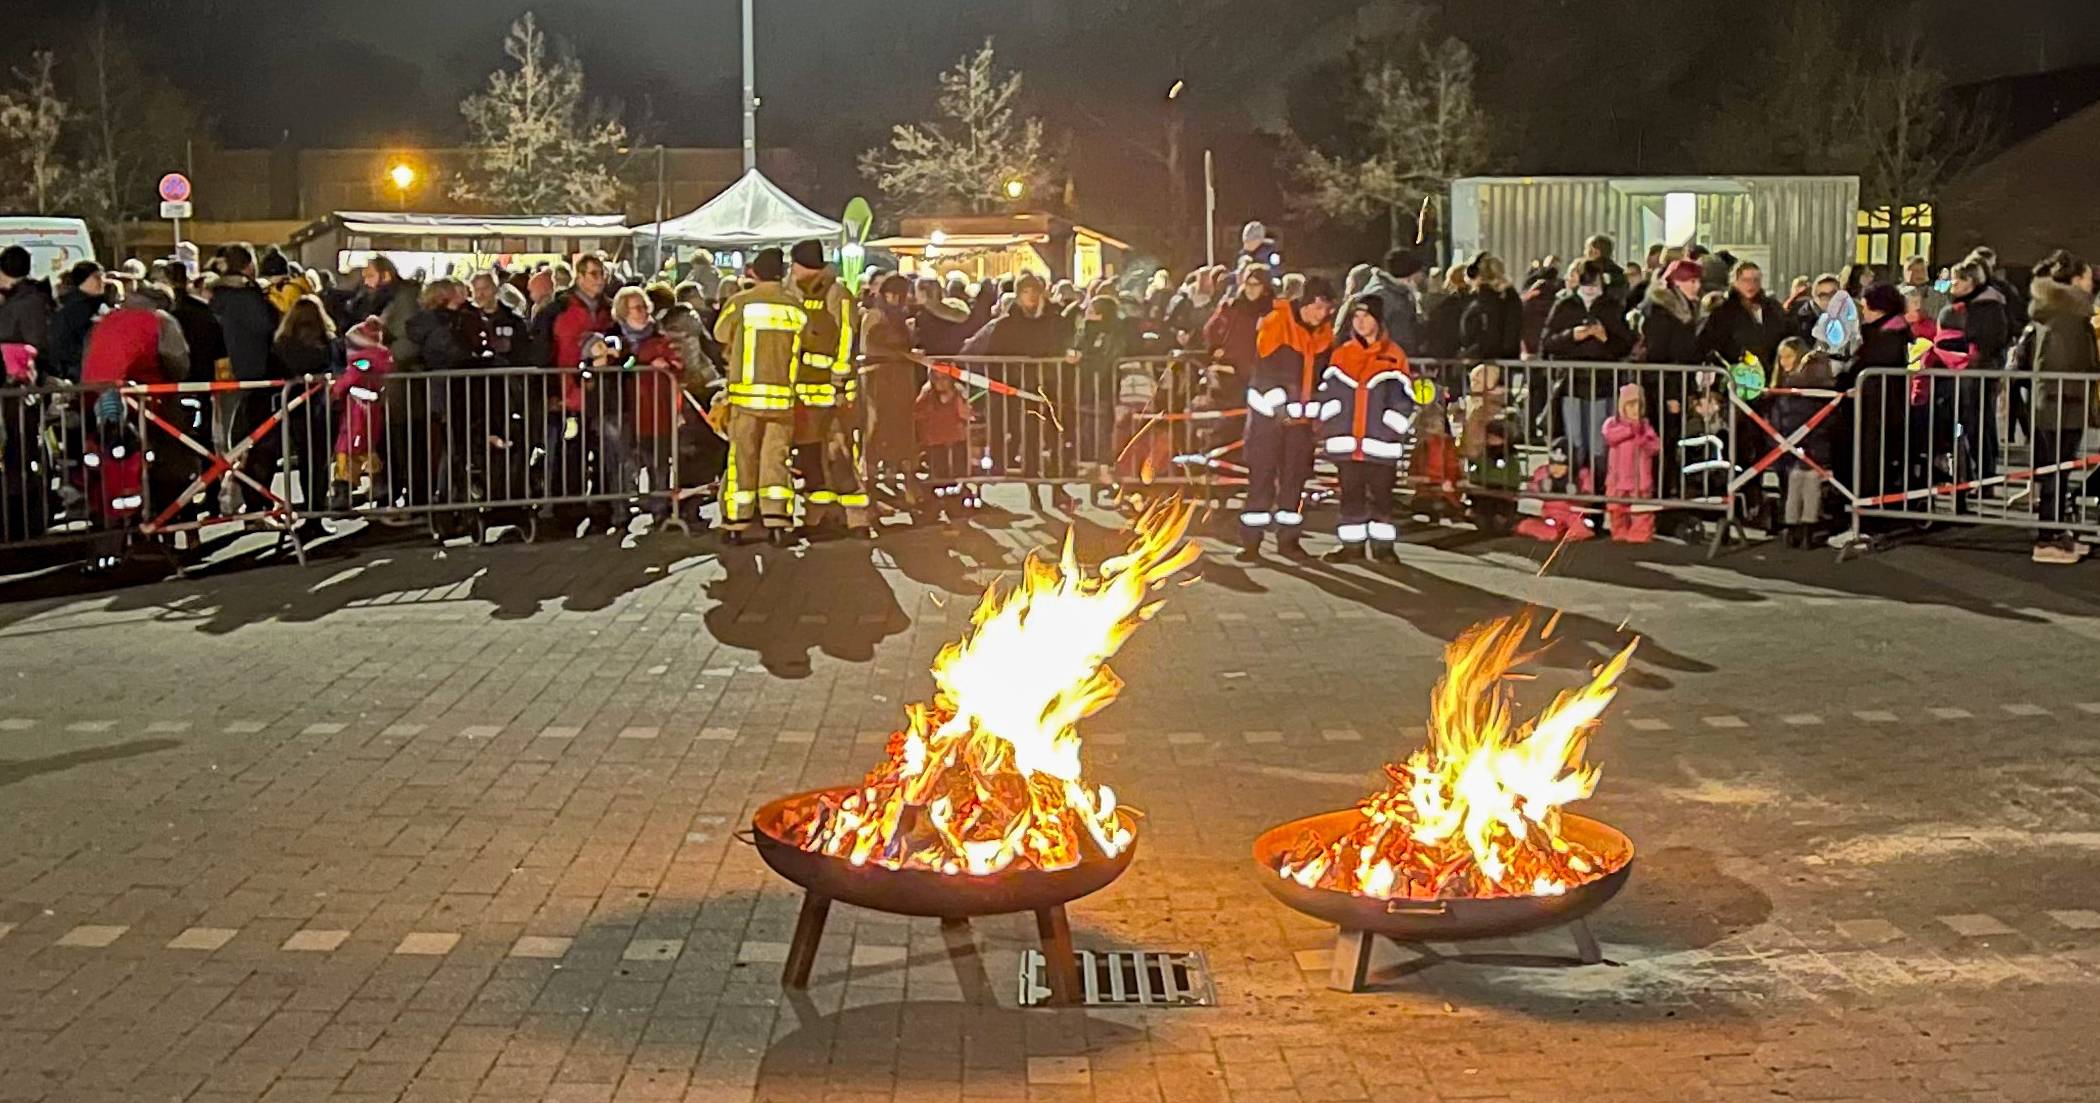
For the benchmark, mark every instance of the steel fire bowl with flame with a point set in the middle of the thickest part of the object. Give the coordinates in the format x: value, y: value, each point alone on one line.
x: 917, y: 891
x: 1446, y: 920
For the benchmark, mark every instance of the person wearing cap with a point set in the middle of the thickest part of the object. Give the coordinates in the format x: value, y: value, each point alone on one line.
x: 25, y: 308
x: 827, y: 390
x: 1670, y: 335
x: 1292, y: 344
x: 1366, y: 403
x: 1258, y: 248
x: 762, y: 328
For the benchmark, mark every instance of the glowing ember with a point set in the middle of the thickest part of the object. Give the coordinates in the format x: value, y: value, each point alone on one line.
x: 988, y: 776
x: 1477, y: 811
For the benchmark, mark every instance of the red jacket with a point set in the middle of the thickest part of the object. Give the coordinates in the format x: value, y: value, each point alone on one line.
x: 573, y: 323
x: 941, y: 423
x: 124, y: 348
x: 656, y: 395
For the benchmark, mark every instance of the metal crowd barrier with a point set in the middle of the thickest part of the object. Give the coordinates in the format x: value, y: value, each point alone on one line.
x: 483, y: 446
x: 1967, y: 447
x: 72, y: 464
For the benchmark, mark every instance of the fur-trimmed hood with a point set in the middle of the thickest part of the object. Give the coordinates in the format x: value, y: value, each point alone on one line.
x: 2054, y: 299
x: 1665, y: 296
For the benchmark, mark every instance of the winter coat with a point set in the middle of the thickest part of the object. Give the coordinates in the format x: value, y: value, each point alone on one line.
x: 25, y: 315
x: 1538, y: 300
x: 200, y: 331
x: 1040, y: 336
x: 298, y: 360
x: 1570, y: 313
x: 247, y: 323
x: 1291, y: 357
x: 941, y: 422
x: 1669, y: 326
x: 1491, y: 326
x: 1186, y: 315
x: 1631, y: 447
x: 568, y: 320
x: 504, y: 334
x: 1366, y: 402
x: 1440, y: 328
x: 763, y: 347
x: 1231, y: 331
x: 136, y: 343
x: 1790, y: 412
x: 941, y: 327
x: 2063, y: 319
x: 437, y: 341
x: 682, y: 326
x: 76, y: 314
x: 1403, y: 310
x: 1734, y: 329
x: 1985, y: 322
x: 652, y: 400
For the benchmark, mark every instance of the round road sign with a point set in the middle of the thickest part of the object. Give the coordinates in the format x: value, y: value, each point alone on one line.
x: 174, y: 187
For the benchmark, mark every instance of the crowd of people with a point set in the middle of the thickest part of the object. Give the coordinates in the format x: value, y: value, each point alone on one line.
x: 1483, y: 386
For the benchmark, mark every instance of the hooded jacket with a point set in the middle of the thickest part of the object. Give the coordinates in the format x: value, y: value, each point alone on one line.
x: 1231, y: 330
x: 25, y: 315
x: 1492, y: 325
x: 1734, y: 329
x: 136, y: 343
x: 1669, y: 326
x: 247, y: 324
x: 1366, y: 401
x: 1985, y: 321
x: 1291, y: 356
x: 940, y: 326
x: 1044, y: 335
x: 76, y: 314
x: 2064, y: 345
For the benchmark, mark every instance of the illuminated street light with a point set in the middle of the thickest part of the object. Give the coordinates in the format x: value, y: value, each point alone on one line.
x: 403, y: 176
x: 1014, y: 188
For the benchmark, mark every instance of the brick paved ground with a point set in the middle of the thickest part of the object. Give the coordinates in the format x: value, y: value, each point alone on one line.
x: 456, y: 825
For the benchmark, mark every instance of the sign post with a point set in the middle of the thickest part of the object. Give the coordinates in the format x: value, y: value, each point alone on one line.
x: 175, y: 203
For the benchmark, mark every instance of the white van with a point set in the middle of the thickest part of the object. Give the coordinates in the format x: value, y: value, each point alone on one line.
x: 54, y: 244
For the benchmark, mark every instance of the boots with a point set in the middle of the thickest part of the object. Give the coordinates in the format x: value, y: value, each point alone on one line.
x: 1382, y: 552
x: 1344, y: 554
x: 1288, y: 545
x: 339, y: 497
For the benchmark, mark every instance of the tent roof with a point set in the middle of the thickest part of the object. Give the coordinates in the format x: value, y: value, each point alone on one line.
x: 751, y: 212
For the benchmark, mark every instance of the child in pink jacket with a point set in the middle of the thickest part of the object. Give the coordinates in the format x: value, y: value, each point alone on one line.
x: 1557, y: 520
x: 1633, y: 446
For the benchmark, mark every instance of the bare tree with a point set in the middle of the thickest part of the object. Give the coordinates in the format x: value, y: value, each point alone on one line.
x: 539, y: 146
x: 1913, y: 137
x: 1415, y: 126
x: 133, y: 127
x: 33, y: 120
x: 970, y: 156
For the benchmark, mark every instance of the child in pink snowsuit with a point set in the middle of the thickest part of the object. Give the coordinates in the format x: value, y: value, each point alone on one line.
x: 359, y: 390
x: 1633, y: 445
x: 1557, y: 520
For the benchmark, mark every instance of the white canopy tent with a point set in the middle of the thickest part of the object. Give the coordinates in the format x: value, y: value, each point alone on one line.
x: 750, y: 214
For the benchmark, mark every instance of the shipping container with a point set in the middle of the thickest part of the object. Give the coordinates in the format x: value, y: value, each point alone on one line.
x: 1790, y: 225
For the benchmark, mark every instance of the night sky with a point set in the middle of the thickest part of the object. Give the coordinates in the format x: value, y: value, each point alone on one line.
x: 1573, y: 85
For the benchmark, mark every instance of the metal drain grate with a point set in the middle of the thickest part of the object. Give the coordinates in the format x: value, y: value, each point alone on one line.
x: 1127, y: 978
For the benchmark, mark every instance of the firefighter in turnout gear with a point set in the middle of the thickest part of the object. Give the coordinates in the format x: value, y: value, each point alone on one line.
x: 1291, y: 344
x: 762, y: 330
x: 827, y: 389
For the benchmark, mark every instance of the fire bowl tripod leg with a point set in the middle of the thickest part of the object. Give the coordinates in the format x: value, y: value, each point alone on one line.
x: 802, y: 951
x: 1586, y: 949
x: 1351, y: 969
x: 1059, y: 962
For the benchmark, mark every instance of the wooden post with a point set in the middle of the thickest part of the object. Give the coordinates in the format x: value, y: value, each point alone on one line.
x: 1352, y: 960
x: 1059, y: 963
x: 809, y: 930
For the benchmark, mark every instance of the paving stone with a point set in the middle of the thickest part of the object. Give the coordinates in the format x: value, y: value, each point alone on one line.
x: 540, y: 946
x: 1872, y: 932
x: 653, y: 949
x: 638, y: 733
x: 202, y: 938
x: 762, y: 953
x: 325, y: 727
x: 1726, y: 722
x: 1975, y: 926
x: 315, y: 941
x: 427, y: 942
x: 92, y: 935
x: 1050, y: 1071
x: 2077, y: 920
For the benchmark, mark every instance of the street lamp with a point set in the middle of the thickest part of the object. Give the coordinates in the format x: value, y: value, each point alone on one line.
x: 1015, y: 187
x: 403, y: 177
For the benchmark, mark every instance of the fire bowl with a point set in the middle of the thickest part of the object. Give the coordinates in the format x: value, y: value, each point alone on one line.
x: 917, y: 891
x: 1445, y: 920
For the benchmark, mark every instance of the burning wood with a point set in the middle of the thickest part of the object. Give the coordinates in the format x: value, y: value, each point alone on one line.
x: 988, y: 776
x: 1476, y: 812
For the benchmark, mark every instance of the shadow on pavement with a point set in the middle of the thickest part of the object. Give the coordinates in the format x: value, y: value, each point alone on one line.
x: 1443, y: 610
x: 784, y: 605
x: 14, y: 770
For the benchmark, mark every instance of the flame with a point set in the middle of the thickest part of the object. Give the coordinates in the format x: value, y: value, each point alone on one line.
x: 988, y: 776
x: 1476, y: 812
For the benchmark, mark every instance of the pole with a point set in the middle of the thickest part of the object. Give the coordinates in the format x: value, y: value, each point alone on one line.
x: 659, y: 206
x: 1210, y: 209
x: 750, y: 96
